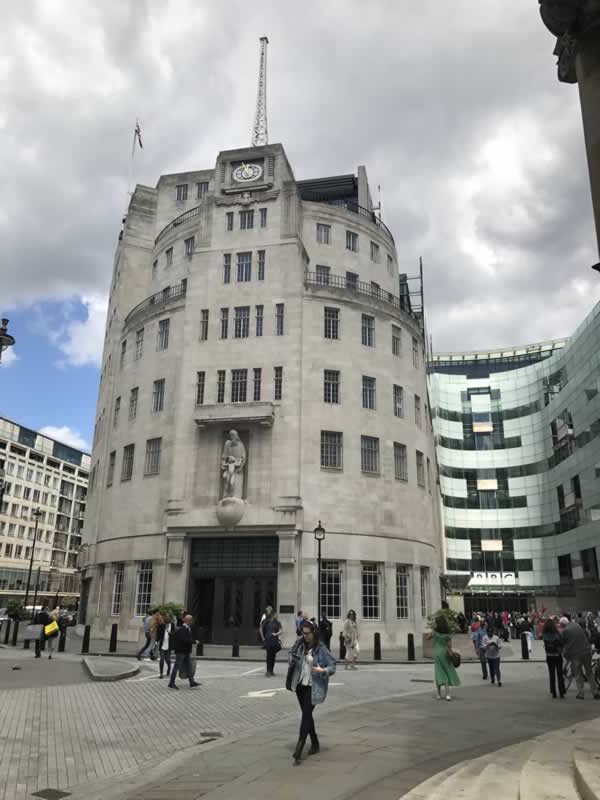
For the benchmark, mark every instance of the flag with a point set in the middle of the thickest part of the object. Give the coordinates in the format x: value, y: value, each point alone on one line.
x: 138, y: 135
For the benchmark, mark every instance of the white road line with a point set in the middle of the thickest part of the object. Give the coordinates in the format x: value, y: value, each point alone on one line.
x: 252, y: 671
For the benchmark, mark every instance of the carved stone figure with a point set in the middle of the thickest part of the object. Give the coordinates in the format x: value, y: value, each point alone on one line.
x: 570, y: 21
x: 233, y: 461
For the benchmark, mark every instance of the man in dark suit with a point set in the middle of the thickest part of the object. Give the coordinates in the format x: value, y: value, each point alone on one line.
x: 182, y: 647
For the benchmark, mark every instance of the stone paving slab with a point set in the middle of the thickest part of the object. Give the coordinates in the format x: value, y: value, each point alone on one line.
x: 109, y: 669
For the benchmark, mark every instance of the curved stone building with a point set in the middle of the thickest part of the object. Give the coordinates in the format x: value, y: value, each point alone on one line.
x: 243, y: 300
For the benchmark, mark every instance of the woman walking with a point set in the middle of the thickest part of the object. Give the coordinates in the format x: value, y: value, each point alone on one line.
x: 553, y: 646
x: 272, y: 632
x: 493, y: 645
x: 351, y: 640
x: 445, y: 672
x: 164, y: 643
x: 311, y: 664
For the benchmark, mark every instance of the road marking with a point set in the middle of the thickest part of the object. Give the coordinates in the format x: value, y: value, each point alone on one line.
x: 252, y: 671
x: 260, y: 693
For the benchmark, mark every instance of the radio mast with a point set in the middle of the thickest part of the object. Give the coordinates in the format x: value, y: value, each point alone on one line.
x: 260, y: 135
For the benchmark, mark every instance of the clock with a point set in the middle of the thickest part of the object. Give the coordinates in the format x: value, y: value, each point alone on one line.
x: 244, y: 173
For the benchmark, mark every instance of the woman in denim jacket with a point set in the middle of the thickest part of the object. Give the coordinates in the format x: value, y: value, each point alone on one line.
x: 311, y: 664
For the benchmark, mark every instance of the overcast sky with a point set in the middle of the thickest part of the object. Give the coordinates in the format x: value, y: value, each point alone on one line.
x: 455, y: 109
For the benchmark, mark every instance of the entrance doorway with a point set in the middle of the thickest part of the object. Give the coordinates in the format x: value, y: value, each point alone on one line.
x: 488, y: 603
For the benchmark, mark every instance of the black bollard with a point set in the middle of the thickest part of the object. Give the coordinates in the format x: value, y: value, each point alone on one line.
x: 411, y: 647
x: 377, y: 647
x: 235, y: 650
x: 15, y: 632
x: 62, y: 639
x: 85, y: 645
x: 342, y: 647
x: 25, y: 644
x: 199, y: 648
x: 524, y: 647
x: 112, y: 647
x: 7, y: 631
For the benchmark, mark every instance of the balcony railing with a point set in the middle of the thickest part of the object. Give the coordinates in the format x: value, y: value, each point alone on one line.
x: 354, y: 208
x: 157, y: 301
x: 193, y: 212
x: 358, y: 287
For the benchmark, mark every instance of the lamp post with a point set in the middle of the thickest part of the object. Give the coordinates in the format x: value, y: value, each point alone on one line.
x: 6, y: 340
x: 37, y: 513
x: 319, y: 536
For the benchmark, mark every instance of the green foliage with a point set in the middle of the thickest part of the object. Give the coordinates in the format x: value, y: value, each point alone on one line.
x: 69, y: 602
x: 173, y: 610
x: 450, y: 616
x: 16, y: 610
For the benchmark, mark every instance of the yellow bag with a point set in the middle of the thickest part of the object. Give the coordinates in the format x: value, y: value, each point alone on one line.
x: 51, y: 629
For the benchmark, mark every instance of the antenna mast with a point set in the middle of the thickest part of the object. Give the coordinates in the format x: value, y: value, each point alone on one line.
x: 259, y: 133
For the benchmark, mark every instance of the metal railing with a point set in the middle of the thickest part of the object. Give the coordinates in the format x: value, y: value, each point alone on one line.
x: 354, y: 208
x: 358, y: 287
x: 193, y: 212
x: 156, y: 301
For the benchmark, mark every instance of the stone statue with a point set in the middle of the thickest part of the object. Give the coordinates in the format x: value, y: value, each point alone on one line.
x: 569, y: 21
x: 233, y: 461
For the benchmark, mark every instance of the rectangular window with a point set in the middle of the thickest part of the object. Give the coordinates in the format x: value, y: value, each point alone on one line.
x: 415, y: 351
x: 331, y: 320
x: 420, y: 468
x: 110, y: 474
x: 181, y: 192
x: 429, y: 475
x: 370, y: 592
x: 375, y: 289
x: 123, y: 353
x: 224, y: 322
x: 154, y: 268
x: 257, y: 374
x: 133, y: 401
x: 331, y: 386
x: 400, y: 462
x: 261, y: 265
x: 244, y: 267
x: 352, y: 241
x: 239, y: 385
x: 417, y: 411
x: 158, y: 395
x: 375, y: 252
x: 396, y: 340
x: 241, y: 323
x: 332, y: 449
x: 117, y: 590
x: 277, y: 383
x: 229, y: 221
x: 153, y: 449
x: 116, y: 412
x: 139, y: 344
x: 169, y: 257
x: 221, y: 386
x: 424, y: 592
x: 352, y: 281
x: 398, y: 401
x: 263, y: 217
x: 368, y: 392
x: 279, y: 317
x: 143, y: 589
x: 204, y: 325
x: 200, y: 387
x: 163, y: 334
x: 259, y: 320
x: 323, y: 233
x: 201, y: 189
x: 323, y: 274
x: 127, y: 465
x: 190, y: 245
x: 331, y: 589
x: 368, y: 330
x: 369, y: 454
x: 402, y: 592
x: 390, y: 265
x: 227, y: 268
x: 246, y: 219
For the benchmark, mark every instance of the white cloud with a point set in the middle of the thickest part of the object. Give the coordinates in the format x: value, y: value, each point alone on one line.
x: 66, y: 435
x: 9, y: 357
x: 82, y: 340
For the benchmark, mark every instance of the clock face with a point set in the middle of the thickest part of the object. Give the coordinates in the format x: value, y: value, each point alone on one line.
x: 245, y: 173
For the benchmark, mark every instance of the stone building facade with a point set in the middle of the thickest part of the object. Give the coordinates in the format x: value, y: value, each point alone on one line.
x: 244, y: 299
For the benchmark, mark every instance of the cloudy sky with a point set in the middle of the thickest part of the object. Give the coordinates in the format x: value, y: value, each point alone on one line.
x: 454, y: 108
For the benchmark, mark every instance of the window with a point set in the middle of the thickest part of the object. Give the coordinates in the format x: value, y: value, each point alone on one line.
x: 153, y: 448
x: 242, y: 322
x: 390, y: 265
x: 181, y: 192
x: 116, y: 412
x: 369, y: 454
x: 263, y: 217
x: 375, y: 252
x: 415, y: 351
x: 261, y: 265
x: 158, y: 395
x: 370, y: 591
x: 239, y: 383
x: 375, y: 289
x: 244, y: 267
x: 143, y: 589
x: 200, y: 386
x: 398, y: 401
x: 190, y: 245
x: 429, y: 475
x: 279, y: 315
x: 221, y: 386
x: 111, y: 468
x: 401, y: 592
x: 323, y: 274
x: 417, y: 411
x: 123, y: 353
x: 331, y: 386
x: 169, y: 257
x: 396, y: 340
x: 163, y: 334
x: 227, y: 268
x: 117, y: 590
x: 259, y: 320
x: 133, y: 401
x: 352, y: 281
x: 424, y: 591
x: 420, y: 469
x: 368, y: 330
x: 400, y: 462
x: 229, y: 221
x: 204, y: 325
x: 277, y: 383
x: 331, y: 589
x: 201, y: 189
x: 331, y: 323
x: 332, y: 450
x: 246, y: 219
x: 224, y: 322
x: 257, y: 374
x: 352, y: 241
x: 154, y: 267
x: 127, y: 466
x: 323, y: 233
x: 139, y: 344
x: 368, y: 392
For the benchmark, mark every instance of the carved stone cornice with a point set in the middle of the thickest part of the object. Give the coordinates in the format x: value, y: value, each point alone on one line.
x: 247, y: 198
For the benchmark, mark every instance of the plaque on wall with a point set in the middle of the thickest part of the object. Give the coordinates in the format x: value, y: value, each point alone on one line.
x: 286, y: 609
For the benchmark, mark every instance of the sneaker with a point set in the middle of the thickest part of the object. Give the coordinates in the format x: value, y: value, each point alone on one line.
x: 193, y: 685
x: 353, y: 666
x: 448, y: 698
x: 172, y: 686
x: 499, y: 683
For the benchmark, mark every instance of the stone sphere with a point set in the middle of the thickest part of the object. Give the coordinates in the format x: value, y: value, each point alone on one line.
x: 230, y: 510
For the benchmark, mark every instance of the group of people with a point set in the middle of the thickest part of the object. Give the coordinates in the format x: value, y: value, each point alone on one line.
x: 163, y: 637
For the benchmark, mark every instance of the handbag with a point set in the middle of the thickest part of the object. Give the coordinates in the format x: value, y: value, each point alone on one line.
x: 289, y: 677
x: 51, y: 629
x: 455, y: 659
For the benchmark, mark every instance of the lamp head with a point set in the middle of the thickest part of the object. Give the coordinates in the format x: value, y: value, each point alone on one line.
x: 319, y: 532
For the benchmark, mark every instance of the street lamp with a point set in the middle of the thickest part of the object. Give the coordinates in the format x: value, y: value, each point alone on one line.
x: 6, y: 340
x: 37, y: 513
x: 320, y: 537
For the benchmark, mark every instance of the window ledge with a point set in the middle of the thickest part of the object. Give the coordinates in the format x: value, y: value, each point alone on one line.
x: 254, y: 412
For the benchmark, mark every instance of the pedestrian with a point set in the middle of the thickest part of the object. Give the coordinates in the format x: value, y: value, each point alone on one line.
x: 147, y: 623
x: 553, y: 647
x: 478, y: 639
x: 266, y: 614
x: 578, y: 650
x: 444, y: 669
x: 325, y: 630
x: 492, y: 645
x: 44, y: 617
x: 311, y: 664
x: 164, y: 644
x: 272, y: 637
x: 182, y: 647
x: 351, y: 640
x: 301, y: 616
